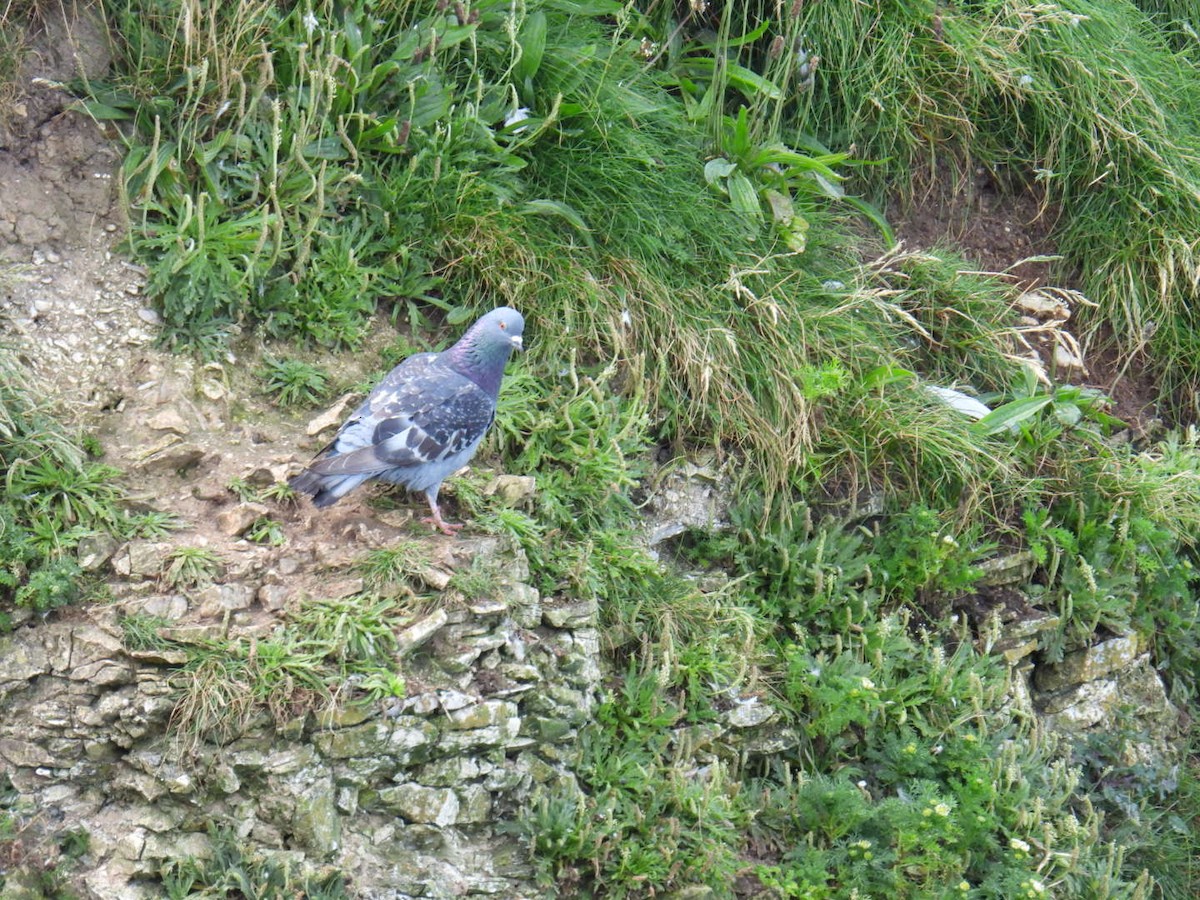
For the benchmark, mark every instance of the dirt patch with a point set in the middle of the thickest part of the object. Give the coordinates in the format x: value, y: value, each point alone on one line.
x: 1009, y: 230
x: 989, y: 223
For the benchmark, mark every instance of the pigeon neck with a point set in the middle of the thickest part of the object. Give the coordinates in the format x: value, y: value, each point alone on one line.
x: 481, y: 363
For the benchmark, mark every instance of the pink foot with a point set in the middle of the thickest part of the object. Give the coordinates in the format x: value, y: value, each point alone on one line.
x: 436, y: 520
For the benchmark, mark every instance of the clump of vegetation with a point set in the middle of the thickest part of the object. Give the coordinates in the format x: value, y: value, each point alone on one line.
x: 293, y: 382
x: 51, y: 498
x: 234, y: 870
x: 189, y: 567
x: 326, y: 652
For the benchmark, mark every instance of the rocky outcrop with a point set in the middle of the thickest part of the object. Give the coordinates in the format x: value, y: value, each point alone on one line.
x: 403, y: 796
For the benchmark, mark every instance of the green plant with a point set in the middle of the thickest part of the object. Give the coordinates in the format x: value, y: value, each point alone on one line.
x: 265, y: 530
x: 235, y: 870
x: 386, y: 569
x: 294, y: 382
x: 189, y: 567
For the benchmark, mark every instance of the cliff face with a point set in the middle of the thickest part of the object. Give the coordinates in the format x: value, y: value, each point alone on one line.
x: 402, y: 795
x: 410, y: 796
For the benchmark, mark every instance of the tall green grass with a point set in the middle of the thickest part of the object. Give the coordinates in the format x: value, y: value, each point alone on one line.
x: 1086, y: 103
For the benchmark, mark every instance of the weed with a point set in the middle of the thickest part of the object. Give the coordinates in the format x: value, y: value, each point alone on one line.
x: 189, y: 567
x: 294, y: 382
x: 386, y: 569
x: 236, y: 871
x: 265, y: 530
x: 140, y: 632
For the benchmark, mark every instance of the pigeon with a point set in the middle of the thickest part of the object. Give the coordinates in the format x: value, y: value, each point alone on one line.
x: 423, y: 422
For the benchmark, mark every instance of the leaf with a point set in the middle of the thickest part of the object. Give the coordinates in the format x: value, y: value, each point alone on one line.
x: 745, y: 80
x: 828, y: 188
x: 882, y: 375
x: 1067, y: 412
x: 562, y: 211
x: 1011, y: 414
x: 744, y: 197
x: 326, y: 148
x: 781, y: 207
x: 103, y: 111
x: 532, y: 41
x: 458, y: 314
x: 717, y: 169
x: 873, y: 213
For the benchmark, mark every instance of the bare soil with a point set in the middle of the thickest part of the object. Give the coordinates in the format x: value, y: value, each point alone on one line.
x: 1008, y: 230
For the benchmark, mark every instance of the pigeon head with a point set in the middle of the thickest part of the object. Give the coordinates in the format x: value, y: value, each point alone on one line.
x: 483, y: 351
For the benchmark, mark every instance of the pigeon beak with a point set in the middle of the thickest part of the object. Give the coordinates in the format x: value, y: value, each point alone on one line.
x: 517, y: 342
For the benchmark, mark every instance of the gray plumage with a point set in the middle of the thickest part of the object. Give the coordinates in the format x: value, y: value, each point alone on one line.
x: 423, y: 422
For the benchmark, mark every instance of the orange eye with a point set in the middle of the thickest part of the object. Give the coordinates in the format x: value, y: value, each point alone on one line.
x: 504, y: 326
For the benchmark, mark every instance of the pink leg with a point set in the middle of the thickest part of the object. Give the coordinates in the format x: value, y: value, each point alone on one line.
x: 436, y: 520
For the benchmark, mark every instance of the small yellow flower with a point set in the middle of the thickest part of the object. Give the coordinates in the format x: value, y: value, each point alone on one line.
x: 964, y: 885
x: 942, y: 810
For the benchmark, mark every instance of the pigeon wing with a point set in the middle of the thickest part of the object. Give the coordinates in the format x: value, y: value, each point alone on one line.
x: 424, y: 418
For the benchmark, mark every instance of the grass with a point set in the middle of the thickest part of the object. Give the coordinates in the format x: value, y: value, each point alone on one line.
x: 293, y: 382
x: 189, y: 567
x: 329, y: 652
x: 51, y: 497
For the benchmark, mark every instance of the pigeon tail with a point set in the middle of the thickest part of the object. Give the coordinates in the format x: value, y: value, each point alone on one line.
x: 325, y: 490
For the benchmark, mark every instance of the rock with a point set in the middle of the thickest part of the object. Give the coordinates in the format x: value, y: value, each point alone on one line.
x: 331, y: 418
x: 419, y: 632
x: 169, y: 455
x: 513, y: 490
x: 1069, y: 360
x: 141, y: 558
x: 236, y: 519
x: 572, y: 614
x: 685, y: 495
x: 749, y: 713
x: 426, y: 805
x: 169, y: 419
x: 1012, y: 568
x: 1042, y: 307
x: 482, y: 715
x: 316, y: 823
x: 218, y: 599
x: 20, y: 662
x: 1089, y: 664
x: 95, y: 550
x: 274, y: 596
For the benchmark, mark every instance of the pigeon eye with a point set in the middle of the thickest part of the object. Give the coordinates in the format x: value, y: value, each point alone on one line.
x: 504, y: 326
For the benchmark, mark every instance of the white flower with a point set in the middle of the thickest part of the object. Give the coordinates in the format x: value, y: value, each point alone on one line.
x: 310, y: 22
x: 1025, y: 80
x: 626, y: 318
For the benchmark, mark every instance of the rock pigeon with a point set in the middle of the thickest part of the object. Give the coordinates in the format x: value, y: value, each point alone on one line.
x: 423, y: 422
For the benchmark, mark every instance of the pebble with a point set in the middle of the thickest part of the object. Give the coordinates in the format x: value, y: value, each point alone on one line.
x: 149, y: 316
x: 52, y: 257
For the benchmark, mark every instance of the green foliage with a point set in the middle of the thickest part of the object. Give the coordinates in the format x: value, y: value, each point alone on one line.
x: 388, y: 569
x: 324, y: 653
x: 234, y: 871
x: 189, y: 567
x: 643, y: 825
x: 51, y: 497
x: 294, y: 382
x: 265, y: 530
